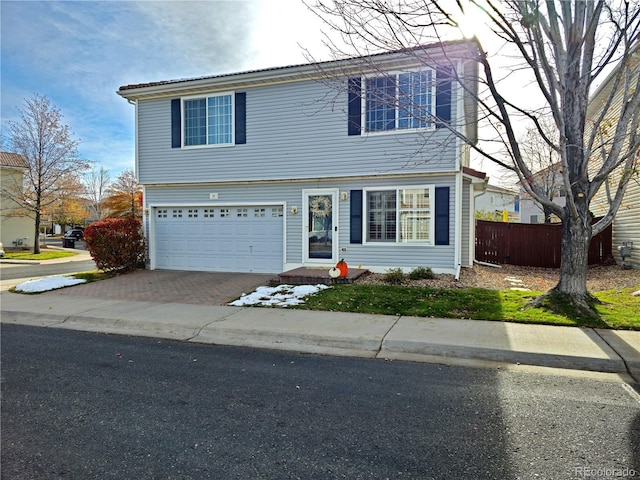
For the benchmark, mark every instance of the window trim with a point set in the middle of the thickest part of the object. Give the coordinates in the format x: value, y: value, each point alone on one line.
x: 398, y: 241
x: 431, y: 122
x: 207, y: 96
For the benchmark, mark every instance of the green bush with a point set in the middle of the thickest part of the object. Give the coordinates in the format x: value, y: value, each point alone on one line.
x: 116, y: 244
x: 421, y: 273
x: 394, y: 276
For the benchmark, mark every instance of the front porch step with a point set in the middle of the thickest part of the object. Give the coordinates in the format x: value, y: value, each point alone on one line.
x: 314, y: 276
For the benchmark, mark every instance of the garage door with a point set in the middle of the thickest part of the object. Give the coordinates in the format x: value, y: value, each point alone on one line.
x: 220, y: 239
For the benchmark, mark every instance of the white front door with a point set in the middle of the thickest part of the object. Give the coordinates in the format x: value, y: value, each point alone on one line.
x: 320, y: 236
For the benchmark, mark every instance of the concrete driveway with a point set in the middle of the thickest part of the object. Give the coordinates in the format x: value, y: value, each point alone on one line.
x: 169, y: 286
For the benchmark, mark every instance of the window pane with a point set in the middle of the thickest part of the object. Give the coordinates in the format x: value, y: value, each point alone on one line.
x: 414, y: 226
x: 195, y: 122
x: 381, y: 220
x: 414, y: 198
x: 415, y: 214
x: 414, y: 99
x: 220, y: 118
x: 380, y: 100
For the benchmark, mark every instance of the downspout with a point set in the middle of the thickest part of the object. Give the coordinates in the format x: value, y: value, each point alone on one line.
x: 457, y: 249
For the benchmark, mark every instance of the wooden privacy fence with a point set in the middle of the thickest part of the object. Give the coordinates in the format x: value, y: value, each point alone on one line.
x: 532, y: 245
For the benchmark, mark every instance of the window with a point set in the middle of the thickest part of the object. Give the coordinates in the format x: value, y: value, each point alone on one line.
x: 402, y: 215
x: 403, y: 101
x: 208, y: 120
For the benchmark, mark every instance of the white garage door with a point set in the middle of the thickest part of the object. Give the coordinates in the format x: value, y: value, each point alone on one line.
x: 219, y: 239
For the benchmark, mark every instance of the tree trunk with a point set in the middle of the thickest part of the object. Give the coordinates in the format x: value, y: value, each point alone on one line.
x: 574, y: 264
x: 574, y: 260
x: 36, y: 241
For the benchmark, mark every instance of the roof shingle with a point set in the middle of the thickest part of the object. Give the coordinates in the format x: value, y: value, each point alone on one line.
x: 8, y: 159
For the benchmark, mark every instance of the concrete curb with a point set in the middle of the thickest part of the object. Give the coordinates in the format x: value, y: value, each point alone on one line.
x: 333, y: 333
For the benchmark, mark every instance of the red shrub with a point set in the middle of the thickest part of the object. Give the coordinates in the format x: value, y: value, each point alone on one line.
x: 116, y: 244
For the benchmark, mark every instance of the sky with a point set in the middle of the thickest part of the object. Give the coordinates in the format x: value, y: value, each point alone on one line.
x: 78, y: 53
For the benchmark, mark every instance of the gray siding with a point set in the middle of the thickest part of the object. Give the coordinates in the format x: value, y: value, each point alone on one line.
x: 294, y: 130
x: 373, y: 256
x: 468, y: 216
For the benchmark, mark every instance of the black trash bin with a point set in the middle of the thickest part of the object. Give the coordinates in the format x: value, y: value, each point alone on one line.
x: 68, y: 242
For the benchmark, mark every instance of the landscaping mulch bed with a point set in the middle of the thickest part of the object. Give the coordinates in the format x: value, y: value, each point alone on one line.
x: 606, y: 277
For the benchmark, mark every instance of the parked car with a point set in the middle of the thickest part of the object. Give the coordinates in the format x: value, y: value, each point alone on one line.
x: 1, y: 250
x: 75, y: 233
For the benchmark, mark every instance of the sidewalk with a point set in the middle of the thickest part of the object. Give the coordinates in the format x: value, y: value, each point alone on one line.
x: 351, y: 334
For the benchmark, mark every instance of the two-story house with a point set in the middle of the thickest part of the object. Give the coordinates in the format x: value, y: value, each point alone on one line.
x: 17, y: 228
x: 270, y: 170
x: 626, y: 223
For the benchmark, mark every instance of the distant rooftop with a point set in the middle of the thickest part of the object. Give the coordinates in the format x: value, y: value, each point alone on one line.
x: 12, y: 160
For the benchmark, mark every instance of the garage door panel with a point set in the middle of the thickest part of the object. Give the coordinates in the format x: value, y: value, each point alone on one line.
x: 234, y: 239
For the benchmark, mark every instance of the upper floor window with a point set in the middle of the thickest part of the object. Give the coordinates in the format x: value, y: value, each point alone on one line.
x: 208, y: 120
x: 401, y: 101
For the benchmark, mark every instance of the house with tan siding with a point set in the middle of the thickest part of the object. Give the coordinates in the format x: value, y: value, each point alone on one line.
x: 626, y: 224
x: 16, y: 226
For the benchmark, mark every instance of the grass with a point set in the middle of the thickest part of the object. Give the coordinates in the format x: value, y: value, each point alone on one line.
x: 93, y: 275
x: 618, y: 311
x: 43, y: 255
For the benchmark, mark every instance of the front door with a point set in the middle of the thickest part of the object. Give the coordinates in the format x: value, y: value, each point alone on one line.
x: 321, y: 226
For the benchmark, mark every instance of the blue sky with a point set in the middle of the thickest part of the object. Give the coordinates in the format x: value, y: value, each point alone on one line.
x: 78, y: 53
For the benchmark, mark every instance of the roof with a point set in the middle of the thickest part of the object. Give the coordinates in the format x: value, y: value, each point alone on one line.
x: 431, y: 52
x: 498, y: 189
x: 12, y: 160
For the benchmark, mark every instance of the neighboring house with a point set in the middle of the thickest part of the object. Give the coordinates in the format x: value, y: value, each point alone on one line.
x: 270, y: 170
x: 626, y: 224
x: 497, y: 203
x: 550, y: 179
x: 16, y: 227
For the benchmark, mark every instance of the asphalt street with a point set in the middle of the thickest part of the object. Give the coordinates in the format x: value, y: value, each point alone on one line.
x: 94, y: 406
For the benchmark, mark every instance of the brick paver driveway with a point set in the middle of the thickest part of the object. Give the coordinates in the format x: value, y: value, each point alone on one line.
x: 168, y: 286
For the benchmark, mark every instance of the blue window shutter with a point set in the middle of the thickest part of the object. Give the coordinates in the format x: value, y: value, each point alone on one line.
x: 442, y: 215
x: 241, y: 117
x: 176, y: 124
x: 443, y: 97
x: 354, y: 105
x: 355, y: 222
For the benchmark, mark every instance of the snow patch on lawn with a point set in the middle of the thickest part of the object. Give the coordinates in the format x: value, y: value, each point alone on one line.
x: 46, y: 284
x: 280, y: 296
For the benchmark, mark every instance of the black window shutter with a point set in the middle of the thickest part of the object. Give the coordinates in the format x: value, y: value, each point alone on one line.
x: 176, y: 127
x: 442, y: 215
x: 354, y: 105
x: 443, y: 97
x: 355, y: 235
x: 241, y: 118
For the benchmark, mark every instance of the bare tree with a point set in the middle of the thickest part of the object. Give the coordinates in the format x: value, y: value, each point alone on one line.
x: 96, y: 183
x: 47, y: 146
x: 124, y: 197
x: 545, y: 163
x: 565, y: 48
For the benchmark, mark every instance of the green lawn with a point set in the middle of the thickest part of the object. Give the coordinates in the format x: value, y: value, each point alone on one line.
x: 619, y: 310
x: 43, y: 255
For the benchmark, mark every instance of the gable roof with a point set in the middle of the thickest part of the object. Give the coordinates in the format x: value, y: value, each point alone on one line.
x: 12, y: 160
x: 434, y: 53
